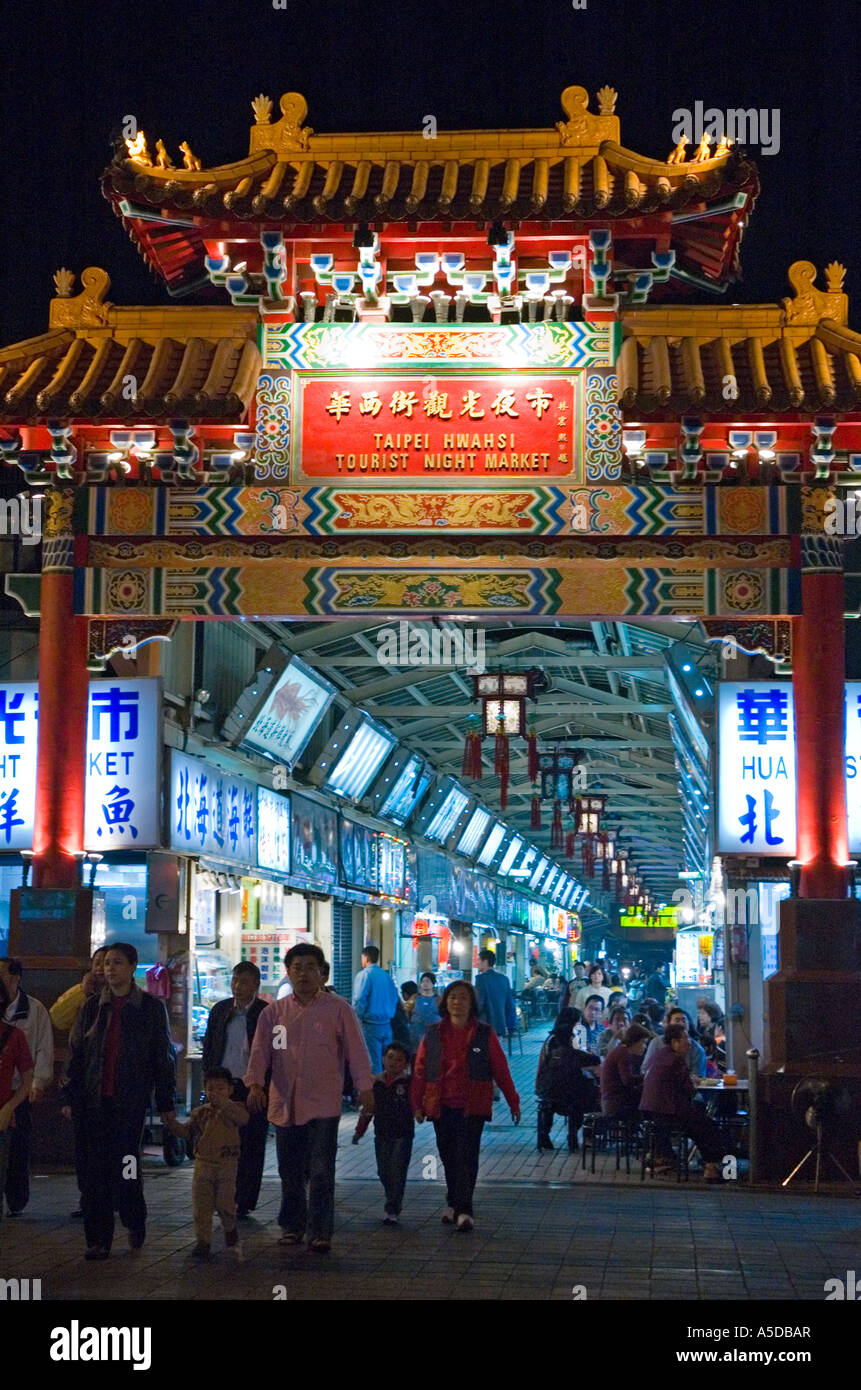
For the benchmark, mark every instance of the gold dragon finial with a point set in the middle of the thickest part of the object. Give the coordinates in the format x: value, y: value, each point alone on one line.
x: 678, y: 154
x: 581, y: 127
x: 834, y: 276
x: 189, y: 158
x: 703, y: 150
x: 137, y: 149
x: 64, y: 281
x: 85, y: 310
x: 723, y: 147
x: 262, y: 108
x: 810, y: 304
x: 607, y: 98
x: 162, y: 158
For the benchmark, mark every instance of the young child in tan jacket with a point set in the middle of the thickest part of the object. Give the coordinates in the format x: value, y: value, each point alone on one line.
x: 215, y: 1126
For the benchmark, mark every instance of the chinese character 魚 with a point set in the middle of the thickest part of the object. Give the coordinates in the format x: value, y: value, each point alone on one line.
x: 117, y: 812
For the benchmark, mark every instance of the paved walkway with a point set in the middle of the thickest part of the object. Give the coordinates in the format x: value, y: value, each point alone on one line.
x: 542, y: 1228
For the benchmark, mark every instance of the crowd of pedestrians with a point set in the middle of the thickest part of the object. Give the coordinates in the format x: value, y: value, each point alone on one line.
x: 403, y: 1057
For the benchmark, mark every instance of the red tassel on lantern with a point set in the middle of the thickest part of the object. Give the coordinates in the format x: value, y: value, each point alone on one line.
x: 570, y: 841
x: 556, y: 834
x: 471, y: 766
x: 500, y: 762
x: 535, y: 814
x: 532, y: 746
x: 605, y: 878
x: 589, y: 855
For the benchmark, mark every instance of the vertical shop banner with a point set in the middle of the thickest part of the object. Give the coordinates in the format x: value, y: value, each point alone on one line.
x: 756, y: 768
x: 123, y: 739
x: 853, y: 764
x: 273, y: 830
x: 210, y: 811
x: 122, y: 756
x: 19, y: 706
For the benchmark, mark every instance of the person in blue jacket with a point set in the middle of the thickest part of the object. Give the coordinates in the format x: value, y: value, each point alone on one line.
x: 375, y: 1000
x: 495, y: 996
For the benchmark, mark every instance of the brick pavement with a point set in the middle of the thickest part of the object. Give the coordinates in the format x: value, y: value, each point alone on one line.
x: 542, y: 1226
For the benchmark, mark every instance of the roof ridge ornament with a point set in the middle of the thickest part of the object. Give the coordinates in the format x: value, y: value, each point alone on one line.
x: 284, y: 136
x: 583, y: 128
x: 809, y: 304
x: 84, y: 310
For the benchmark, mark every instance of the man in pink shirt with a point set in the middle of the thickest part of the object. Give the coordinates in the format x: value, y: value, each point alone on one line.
x: 303, y: 1041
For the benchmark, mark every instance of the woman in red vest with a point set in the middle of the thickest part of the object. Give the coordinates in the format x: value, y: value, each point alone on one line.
x: 458, y: 1062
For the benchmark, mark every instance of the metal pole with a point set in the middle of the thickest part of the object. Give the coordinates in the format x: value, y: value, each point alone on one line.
x: 752, y: 1111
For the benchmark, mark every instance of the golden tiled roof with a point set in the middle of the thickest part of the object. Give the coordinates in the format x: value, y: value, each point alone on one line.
x: 798, y: 356
x: 576, y: 170
x: 98, y: 361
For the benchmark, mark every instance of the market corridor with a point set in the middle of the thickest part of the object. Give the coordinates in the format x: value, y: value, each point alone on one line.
x: 542, y: 1228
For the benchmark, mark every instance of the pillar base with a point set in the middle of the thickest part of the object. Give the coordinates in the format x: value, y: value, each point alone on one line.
x: 814, y: 1030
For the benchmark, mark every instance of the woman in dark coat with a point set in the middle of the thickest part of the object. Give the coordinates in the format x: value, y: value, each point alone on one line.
x: 560, y: 1084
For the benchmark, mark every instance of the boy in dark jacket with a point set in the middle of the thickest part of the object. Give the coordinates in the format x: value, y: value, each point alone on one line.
x: 393, y: 1128
x: 560, y: 1084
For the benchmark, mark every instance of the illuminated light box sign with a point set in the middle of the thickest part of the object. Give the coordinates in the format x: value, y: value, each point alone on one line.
x: 273, y: 830
x: 123, y: 750
x: 665, y: 920
x: 392, y: 866
x: 290, y: 713
x: 380, y: 426
x: 756, y: 768
x: 210, y: 811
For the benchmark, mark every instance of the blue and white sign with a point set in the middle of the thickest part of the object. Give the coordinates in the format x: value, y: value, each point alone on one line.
x: 853, y: 764
x: 273, y: 830
x: 121, y: 810
x: 756, y: 789
x: 210, y: 811
x: 123, y: 744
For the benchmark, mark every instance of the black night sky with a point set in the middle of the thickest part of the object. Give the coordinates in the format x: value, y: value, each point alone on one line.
x: 188, y: 70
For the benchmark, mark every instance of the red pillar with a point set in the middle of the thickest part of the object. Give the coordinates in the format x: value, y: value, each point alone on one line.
x: 63, y: 686
x: 818, y: 676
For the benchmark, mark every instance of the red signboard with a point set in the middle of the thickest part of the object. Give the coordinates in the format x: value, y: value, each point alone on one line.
x: 378, y: 426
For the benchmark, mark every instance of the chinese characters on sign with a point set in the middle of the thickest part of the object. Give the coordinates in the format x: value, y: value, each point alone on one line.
x: 756, y: 801
x: 273, y: 830
x: 211, y: 812
x: 123, y: 739
x: 483, y: 425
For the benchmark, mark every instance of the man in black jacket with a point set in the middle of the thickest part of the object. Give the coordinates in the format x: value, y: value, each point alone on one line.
x: 229, y: 1035
x: 119, y: 1050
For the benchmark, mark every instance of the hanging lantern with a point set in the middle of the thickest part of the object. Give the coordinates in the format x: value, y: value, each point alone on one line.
x: 587, y: 814
x: 557, y: 774
x: 503, y: 697
x: 619, y: 869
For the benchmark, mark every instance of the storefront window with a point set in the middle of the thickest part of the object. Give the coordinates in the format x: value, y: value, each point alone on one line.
x: 10, y: 877
x: 121, y: 889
